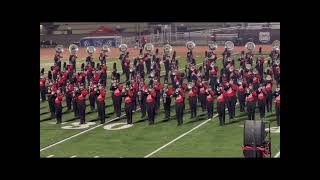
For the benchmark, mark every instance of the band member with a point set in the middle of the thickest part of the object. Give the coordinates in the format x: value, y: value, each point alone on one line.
x: 167, y: 94
x: 193, y: 91
x: 150, y: 100
x: 166, y: 62
x: 157, y: 88
x: 259, y: 67
x: 221, y: 105
x: 121, y: 58
x: 277, y: 108
x: 51, y: 100
x: 103, y: 55
x: 115, y: 75
x: 89, y: 58
x: 70, y: 89
x: 268, y: 88
x: 255, y: 80
x: 76, y: 93
x: 43, y: 88
x: 58, y: 106
x: 262, y: 101
x: 250, y: 101
x: 241, y: 96
x: 92, y: 97
x: 128, y: 107
x: 213, y: 76
x: 202, y: 97
x: 49, y: 75
x: 209, y: 96
x: 135, y: 90
x: 179, y: 94
x: 58, y: 57
x: 231, y: 98
x: 103, y: 76
x: 101, y: 104
x: 117, y: 99
x: 82, y: 104
x: 55, y: 72
x: 89, y: 72
x: 126, y: 66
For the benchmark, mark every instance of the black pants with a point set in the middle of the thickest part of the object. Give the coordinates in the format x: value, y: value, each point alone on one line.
x: 148, y: 66
x: 143, y: 105
x: 101, y: 111
x: 127, y: 72
x: 82, y: 111
x: 229, y: 103
x: 75, y: 108
x: 210, y: 109
x: 251, y: 106
x: 151, y: 112
x: 221, y: 112
x: 203, y: 102
x: 128, y: 109
x: 69, y: 100
x: 92, y: 101
x: 134, y: 102
x: 269, y: 102
x: 167, y: 108
x: 278, y: 114
x: 52, y: 108
x: 117, y: 105
x: 179, y: 112
x: 58, y: 112
x: 193, y: 106
x: 262, y: 108
x: 43, y: 93
x: 242, y: 102
x: 157, y: 100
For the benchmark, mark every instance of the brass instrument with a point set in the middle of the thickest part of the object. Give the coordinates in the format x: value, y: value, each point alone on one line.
x: 229, y: 45
x: 73, y: 49
x: 190, y: 45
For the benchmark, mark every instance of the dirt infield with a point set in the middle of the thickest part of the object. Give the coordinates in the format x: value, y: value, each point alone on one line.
x: 48, y: 53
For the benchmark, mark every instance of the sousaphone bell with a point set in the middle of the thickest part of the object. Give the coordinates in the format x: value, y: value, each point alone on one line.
x: 123, y: 48
x: 190, y: 45
x: 250, y: 46
x: 73, y: 49
x: 229, y: 45
x: 167, y: 49
x: 91, y: 49
x: 59, y: 49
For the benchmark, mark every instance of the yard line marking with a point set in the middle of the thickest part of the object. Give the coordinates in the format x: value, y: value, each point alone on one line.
x: 277, y: 155
x: 96, y: 156
x: 180, y: 136
x: 73, y: 156
x: 50, y: 156
x: 59, y: 142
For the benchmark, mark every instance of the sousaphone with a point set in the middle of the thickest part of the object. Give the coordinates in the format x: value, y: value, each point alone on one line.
x: 106, y: 48
x: 213, y: 46
x: 190, y: 45
x: 73, y: 49
x: 148, y: 48
x: 167, y: 49
x: 250, y: 46
x: 91, y: 49
x: 229, y: 45
x: 123, y: 48
x: 59, y: 49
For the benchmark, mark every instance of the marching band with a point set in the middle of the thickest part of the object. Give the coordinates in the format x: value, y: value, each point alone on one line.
x: 250, y: 85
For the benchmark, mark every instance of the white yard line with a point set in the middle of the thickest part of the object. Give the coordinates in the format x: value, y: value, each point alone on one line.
x: 50, y: 156
x: 277, y: 155
x: 73, y: 156
x: 96, y: 156
x: 59, y: 142
x: 180, y: 136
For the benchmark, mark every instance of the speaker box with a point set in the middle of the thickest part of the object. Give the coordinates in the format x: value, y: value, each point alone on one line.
x: 254, y: 133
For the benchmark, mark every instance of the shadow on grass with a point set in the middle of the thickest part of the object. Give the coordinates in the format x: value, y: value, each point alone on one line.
x: 44, y: 113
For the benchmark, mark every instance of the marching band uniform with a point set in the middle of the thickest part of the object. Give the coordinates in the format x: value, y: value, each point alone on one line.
x: 259, y: 67
x: 72, y: 61
x: 103, y: 76
x: 268, y: 88
x: 58, y: 107
x: 51, y: 98
x: 241, y: 97
x: 81, y: 102
x: 151, y: 106
x: 209, y: 97
x: 92, y: 96
x: 135, y: 89
x: 262, y: 102
x: 101, y: 105
x: 193, y: 101
x: 57, y: 60
x: 70, y: 89
x: 179, y: 107
x: 143, y: 98
x: 277, y: 101
x: 43, y: 88
x: 221, y: 107
x: 147, y: 61
x: 157, y: 89
x: 250, y: 100
x: 202, y: 98
x: 167, y: 93
x: 117, y: 100
x: 75, y: 95
x: 128, y: 107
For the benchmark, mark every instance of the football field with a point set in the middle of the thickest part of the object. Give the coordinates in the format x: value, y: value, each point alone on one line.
x: 197, y: 137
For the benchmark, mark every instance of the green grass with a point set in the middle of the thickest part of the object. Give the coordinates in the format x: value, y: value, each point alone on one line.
x: 209, y: 140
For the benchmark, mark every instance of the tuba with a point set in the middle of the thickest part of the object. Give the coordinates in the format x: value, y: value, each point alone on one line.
x: 167, y: 49
x: 276, y: 44
x: 91, y: 49
x: 73, y: 49
x: 190, y: 45
x: 229, y: 45
x: 59, y: 49
x: 106, y: 48
x: 213, y: 46
x: 123, y: 48
x: 148, y: 48
x: 250, y: 46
